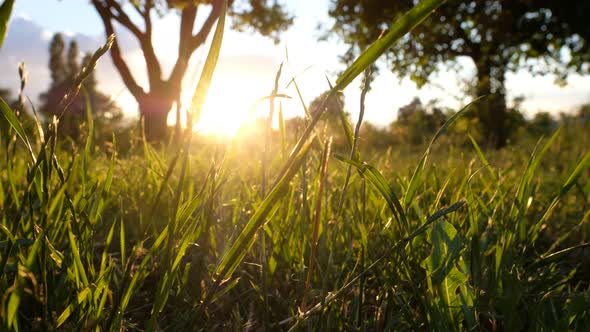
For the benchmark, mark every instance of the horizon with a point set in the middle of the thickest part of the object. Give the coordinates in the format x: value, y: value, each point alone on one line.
x: 248, y: 63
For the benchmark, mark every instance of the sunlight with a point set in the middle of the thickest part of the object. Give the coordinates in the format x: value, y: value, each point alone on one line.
x: 231, y: 104
x: 225, y: 112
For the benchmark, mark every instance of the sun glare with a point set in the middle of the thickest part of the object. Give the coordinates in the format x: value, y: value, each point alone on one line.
x: 231, y: 103
x: 224, y: 112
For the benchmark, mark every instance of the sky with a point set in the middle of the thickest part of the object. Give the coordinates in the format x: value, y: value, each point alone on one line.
x: 248, y: 64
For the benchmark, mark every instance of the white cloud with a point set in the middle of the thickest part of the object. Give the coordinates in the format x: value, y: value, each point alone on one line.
x: 28, y: 42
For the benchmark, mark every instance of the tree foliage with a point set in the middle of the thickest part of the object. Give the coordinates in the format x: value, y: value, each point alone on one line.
x: 331, y: 119
x: 498, y: 36
x: 416, y: 123
x: 63, y: 74
x: 57, y: 65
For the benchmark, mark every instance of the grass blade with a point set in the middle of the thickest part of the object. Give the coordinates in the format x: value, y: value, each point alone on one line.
x: 366, y: 59
x: 5, y: 11
x: 556, y: 256
x: 378, y: 181
x: 200, y: 94
x: 246, y: 238
x: 569, y: 183
x: 402, y: 26
x: 417, y: 176
x: 16, y: 125
x: 316, y: 223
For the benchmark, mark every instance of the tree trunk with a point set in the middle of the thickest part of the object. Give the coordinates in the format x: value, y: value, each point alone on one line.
x: 492, y: 109
x: 154, y: 110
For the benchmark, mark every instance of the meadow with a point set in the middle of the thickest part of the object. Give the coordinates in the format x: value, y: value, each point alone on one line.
x: 284, y: 233
x: 460, y: 240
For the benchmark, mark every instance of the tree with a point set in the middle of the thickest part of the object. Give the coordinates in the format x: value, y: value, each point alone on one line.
x: 331, y: 118
x: 498, y: 36
x: 333, y: 106
x: 63, y: 74
x: 416, y: 123
x: 73, y: 67
x: 584, y: 113
x: 542, y: 124
x: 156, y: 100
x: 57, y: 65
x: 90, y: 82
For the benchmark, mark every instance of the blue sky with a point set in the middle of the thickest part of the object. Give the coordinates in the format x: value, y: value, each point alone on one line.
x: 60, y: 15
x: 248, y: 63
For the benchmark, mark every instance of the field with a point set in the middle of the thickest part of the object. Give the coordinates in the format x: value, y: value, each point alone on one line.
x: 193, y: 237
x: 290, y: 230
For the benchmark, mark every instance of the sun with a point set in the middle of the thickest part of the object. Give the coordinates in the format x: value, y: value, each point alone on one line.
x: 225, y: 111
x: 232, y: 102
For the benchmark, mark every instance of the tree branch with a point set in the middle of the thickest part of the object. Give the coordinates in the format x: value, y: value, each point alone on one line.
x: 187, y: 23
x: 198, y: 39
x: 145, y: 40
x: 188, y: 42
x: 105, y: 15
x: 121, y: 17
x: 147, y: 18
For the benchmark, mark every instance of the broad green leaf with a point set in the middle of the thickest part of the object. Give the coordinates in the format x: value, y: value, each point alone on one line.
x: 446, y: 247
x: 453, y: 280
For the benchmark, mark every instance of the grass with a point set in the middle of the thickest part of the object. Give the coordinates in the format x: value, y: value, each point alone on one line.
x: 214, y: 236
x: 91, y: 240
x: 173, y: 240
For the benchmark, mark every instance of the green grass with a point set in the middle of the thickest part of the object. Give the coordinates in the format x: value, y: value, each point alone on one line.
x: 462, y: 239
x: 210, y: 236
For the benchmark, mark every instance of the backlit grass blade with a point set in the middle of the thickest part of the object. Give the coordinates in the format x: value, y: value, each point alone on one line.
x: 90, y: 121
x: 523, y: 192
x: 412, y: 18
x: 200, y: 94
x: 417, y: 176
x: 282, y: 131
x: 353, y: 150
x: 79, y: 270
x: 72, y: 306
x: 316, y: 220
x: 69, y: 97
x: 399, y: 28
x: 399, y: 244
x: 378, y: 181
x: 5, y: 10
x: 569, y: 183
x: 16, y: 125
x: 346, y: 126
x: 240, y: 247
x: 557, y: 256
